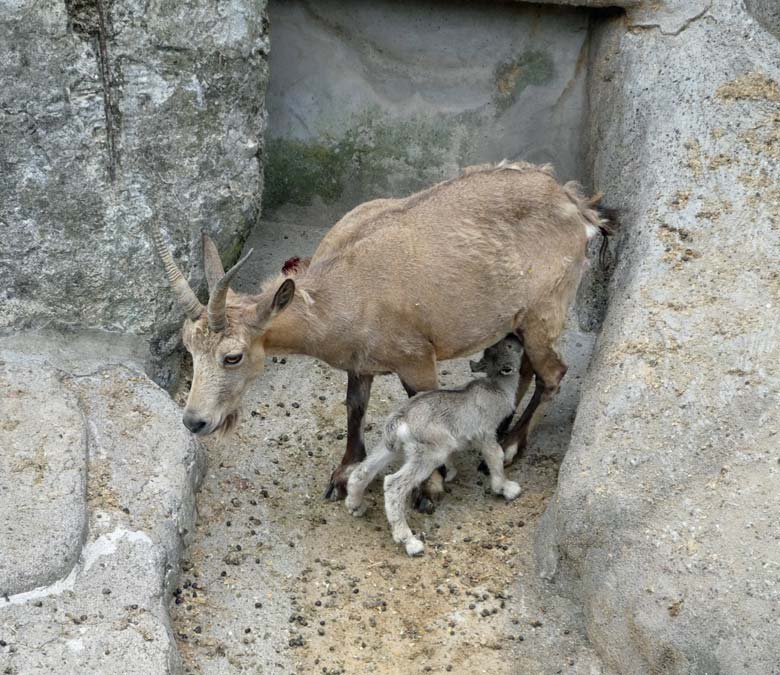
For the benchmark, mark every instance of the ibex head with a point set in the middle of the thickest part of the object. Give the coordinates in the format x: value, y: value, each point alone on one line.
x: 222, y: 338
x: 502, y: 358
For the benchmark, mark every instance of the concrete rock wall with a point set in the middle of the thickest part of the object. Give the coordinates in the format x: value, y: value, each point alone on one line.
x: 665, y: 519
x: 384, y: 98
x: 115, y: 116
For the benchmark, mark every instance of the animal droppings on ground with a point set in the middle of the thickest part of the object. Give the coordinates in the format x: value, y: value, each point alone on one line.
x: 268, y: 550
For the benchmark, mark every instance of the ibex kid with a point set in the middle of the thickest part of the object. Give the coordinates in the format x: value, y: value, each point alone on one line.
x: 429, y: 428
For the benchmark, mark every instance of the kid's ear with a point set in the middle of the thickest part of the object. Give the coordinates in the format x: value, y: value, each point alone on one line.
x: 478, y: 366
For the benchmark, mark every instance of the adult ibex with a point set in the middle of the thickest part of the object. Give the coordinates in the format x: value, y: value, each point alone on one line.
x: 397, y: 285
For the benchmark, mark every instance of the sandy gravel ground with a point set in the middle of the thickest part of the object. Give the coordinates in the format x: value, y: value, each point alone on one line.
x: 278, y: 580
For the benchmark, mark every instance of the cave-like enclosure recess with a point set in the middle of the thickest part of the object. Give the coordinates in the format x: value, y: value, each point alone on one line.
x: 381, y: 99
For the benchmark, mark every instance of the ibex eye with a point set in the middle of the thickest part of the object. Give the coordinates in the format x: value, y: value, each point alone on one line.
x: 232, y: 359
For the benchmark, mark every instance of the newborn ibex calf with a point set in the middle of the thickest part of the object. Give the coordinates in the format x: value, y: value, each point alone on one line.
x: 429, y: 428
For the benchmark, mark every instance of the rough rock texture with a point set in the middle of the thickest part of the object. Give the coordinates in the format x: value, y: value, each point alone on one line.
x: 113, y: 116
x: 107, y: 460
x: 767, y: 12
x: 43, y: 473
x: 665, y: 518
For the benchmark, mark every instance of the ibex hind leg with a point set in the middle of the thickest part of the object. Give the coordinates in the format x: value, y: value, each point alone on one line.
x: 363, y: 475
x: 398, y: 488
x: 507, y: 434
x: 539, y: 337
x: 515, y: 440
x: 512, y: 447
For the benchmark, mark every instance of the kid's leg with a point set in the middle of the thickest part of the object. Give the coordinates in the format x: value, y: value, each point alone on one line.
x: 494, y: 458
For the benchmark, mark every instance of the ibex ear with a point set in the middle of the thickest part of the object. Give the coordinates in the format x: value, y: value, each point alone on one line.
x: 283, y: 296
x: 211, y: 262
x: 478, y: 366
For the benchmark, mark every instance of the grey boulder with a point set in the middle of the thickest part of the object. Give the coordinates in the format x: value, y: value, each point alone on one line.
x: 665, y: 519
x: 95, y: 517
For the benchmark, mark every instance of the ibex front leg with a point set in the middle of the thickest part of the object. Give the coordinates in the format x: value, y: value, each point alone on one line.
x: 358, y: 393
x: 538, y: 340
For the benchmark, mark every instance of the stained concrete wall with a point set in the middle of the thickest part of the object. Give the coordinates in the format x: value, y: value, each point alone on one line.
x: 384, y: 98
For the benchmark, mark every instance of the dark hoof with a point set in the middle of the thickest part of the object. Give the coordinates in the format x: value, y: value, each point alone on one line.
x: 335, y: 492
x: 483, y: 468
x: 337, y: 487
x: 422, y: 503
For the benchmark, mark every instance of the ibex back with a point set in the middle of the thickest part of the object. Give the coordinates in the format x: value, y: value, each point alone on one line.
x: 397, y: 285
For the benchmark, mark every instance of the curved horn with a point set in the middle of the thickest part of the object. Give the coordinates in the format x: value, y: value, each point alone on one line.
x: 216, y: 308
x: 184, y: 294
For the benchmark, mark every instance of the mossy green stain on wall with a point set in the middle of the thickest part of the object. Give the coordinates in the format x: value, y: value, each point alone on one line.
x: 532, y: 67
x: 375, y: 156
x: 296, y: 171
x: 382, y: 155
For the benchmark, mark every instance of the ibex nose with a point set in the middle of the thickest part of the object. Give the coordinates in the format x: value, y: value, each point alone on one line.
x: 194, y: 423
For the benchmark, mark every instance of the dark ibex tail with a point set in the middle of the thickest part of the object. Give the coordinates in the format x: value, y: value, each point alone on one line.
x: 608, y: 224
x: 593, y: 215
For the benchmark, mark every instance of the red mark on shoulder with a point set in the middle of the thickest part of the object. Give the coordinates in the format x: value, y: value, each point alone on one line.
x: 290, y: 265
